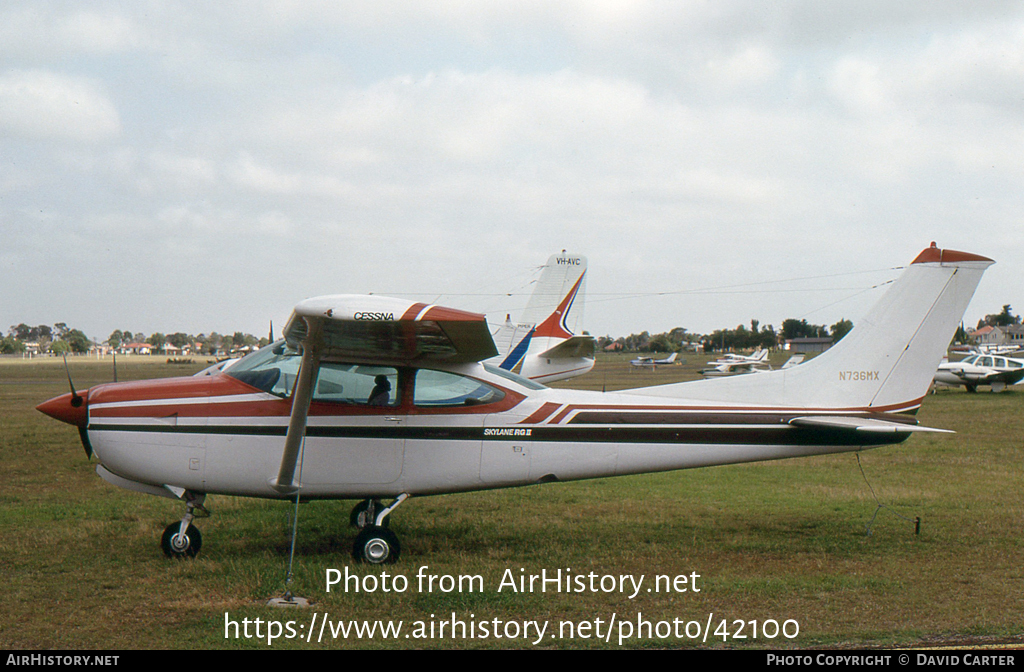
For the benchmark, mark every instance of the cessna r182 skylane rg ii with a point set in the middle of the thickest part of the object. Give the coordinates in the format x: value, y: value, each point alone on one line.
x: 377, y: 399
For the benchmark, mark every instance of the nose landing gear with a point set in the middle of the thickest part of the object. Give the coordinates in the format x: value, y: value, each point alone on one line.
x: 182, y: 539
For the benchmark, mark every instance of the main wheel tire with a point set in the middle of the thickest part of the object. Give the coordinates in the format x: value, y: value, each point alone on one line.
x: 360, y: 514
x: 176, y: 546
x: 376, y: 546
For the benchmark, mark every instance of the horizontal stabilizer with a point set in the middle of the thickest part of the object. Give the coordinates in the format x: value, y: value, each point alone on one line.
x: 572, y: 348
x: 862, y: 424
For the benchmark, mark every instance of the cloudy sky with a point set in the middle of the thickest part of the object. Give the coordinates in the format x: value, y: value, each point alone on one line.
x: 180, y: 166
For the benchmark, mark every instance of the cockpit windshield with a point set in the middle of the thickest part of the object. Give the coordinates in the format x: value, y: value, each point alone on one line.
x: 272, y: 369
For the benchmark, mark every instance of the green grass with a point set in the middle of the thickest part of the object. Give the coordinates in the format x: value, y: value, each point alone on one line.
x: 777, y: 540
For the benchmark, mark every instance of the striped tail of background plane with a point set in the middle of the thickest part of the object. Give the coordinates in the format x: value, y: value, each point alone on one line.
x: 545, y: 344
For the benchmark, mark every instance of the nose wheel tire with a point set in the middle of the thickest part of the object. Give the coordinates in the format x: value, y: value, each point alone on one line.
x: 176, y: 545
x: 376, y: 546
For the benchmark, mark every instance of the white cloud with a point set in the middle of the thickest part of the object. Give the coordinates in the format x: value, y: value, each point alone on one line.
x: 38, y: 30
x: 319, y: 138
x: 41, y: 104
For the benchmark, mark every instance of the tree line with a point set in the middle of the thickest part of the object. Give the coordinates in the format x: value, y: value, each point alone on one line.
x: 1004, y: 318
x: 741, y: 338
x: 61, y: 339
x: 758, y: 336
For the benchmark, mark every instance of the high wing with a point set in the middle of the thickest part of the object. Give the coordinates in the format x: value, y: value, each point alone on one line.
x: 371, y: 329
x: 378, y: 329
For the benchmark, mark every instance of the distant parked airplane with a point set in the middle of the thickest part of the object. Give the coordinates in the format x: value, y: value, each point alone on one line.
x: 981, y: 369
x: 650, y: 362
x: 734, y: 365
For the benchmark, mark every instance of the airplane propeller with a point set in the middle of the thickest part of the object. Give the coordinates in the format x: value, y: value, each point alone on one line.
x: 76, y: 401
x: 82, y: 434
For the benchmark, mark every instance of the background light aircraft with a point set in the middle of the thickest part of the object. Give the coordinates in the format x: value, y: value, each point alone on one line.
x: 981, y: 369
x: 759, y: 355
x: 544, y: 345
x: 379, y: 399
x: 732, y: 364
x: 650, y: 362
x: 1009, y: 350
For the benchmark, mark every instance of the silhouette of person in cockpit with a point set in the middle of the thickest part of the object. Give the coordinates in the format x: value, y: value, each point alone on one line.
x: 381, y: 394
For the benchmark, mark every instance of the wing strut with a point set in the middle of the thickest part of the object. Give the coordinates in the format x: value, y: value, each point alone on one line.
x: 310, y: 365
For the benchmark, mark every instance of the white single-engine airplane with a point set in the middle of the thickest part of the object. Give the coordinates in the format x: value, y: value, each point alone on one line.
x: 732, y: 364
x: 981, y: 369
x: 375, y: 398
x: 544, y: 345
x: 651, y: 362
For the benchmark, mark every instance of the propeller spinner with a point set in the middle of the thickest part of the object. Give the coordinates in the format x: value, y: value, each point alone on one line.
x: 70, y: 408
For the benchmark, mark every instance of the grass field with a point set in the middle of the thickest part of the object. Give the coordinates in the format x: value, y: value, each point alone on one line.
x: 781, y: 540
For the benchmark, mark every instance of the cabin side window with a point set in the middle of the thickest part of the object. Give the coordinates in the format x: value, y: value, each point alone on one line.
x: 440, y: 389
x: 357, y: 384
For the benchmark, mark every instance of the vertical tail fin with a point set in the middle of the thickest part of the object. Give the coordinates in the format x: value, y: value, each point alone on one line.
x: 556, y: 305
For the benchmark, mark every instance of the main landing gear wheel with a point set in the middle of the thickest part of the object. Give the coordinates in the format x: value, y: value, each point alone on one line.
x: 375, y: 543
x: 376, y: 546
x: 364, y: 512
x: 177, y: 545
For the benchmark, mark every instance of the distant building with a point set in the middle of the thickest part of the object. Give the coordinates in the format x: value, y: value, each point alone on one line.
x: 981, y: 336
x: 1009, y: 335
x: 136, y: 349
x: 808, y: 346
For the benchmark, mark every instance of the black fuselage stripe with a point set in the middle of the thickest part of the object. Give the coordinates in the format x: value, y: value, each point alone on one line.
x: 735, y: 435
